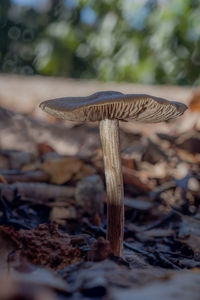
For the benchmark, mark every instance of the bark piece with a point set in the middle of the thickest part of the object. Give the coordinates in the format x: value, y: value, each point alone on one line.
x: 35, y: 192
x: 12, y: 176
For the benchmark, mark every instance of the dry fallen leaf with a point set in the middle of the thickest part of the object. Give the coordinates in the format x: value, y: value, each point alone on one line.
x: 62, y: 169
x: 189, y: 142
x: 44, y: 149
x: 194, y: 104
x: 188, y: 157
x: 128, y: 162
x: 61, y: 214
x: 85, y: 170
x: 131, y: 179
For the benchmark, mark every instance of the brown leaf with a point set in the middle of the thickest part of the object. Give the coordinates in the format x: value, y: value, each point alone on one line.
x: 194, y: 104
x: 189, y: 142
x: 96, y: 220
x: 44, y: 149
x: 128, y: 163
x: 188, y: 157
x: 85, y: 170
x: 61, y: 214
x: 62, y: 170
x: 131, y: 179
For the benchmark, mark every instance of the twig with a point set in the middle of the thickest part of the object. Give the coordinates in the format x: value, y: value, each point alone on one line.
x: 140, y: 251
x: 160, y: 222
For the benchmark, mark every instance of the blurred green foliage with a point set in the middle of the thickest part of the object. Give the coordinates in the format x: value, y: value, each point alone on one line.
x: 144, y: 41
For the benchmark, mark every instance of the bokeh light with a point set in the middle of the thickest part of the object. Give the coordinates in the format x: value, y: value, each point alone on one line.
x: 146, y: 41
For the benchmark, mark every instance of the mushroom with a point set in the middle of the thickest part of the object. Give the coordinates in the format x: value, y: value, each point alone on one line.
x: 108, y: 108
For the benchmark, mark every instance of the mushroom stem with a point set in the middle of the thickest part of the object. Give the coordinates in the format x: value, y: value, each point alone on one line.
x: 109, y: 133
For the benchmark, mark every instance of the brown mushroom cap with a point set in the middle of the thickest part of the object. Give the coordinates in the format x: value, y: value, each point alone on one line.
x: 114, y: 105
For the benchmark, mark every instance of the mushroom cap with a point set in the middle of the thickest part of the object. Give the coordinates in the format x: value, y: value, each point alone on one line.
x: 114, y: 105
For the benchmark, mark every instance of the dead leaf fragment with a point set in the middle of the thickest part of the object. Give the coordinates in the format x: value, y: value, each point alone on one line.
x: 44, y: 149
x: 189, y: 142
x: 128, y: 162
x: 60, y: 214
x: 62, y: 170
x: 194, y: 104
x: 85, y: 170
x: 131, y: 179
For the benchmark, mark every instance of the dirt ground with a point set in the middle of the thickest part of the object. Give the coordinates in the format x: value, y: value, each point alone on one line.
x: 53, y: 199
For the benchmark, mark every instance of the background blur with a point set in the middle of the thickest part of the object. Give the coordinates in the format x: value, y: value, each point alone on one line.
x: 145, y: 41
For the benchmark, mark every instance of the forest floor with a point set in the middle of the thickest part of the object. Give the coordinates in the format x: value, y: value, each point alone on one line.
x: 53, y: 199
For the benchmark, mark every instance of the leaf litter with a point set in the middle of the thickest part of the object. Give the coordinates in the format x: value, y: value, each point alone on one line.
x: 53, y: 213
